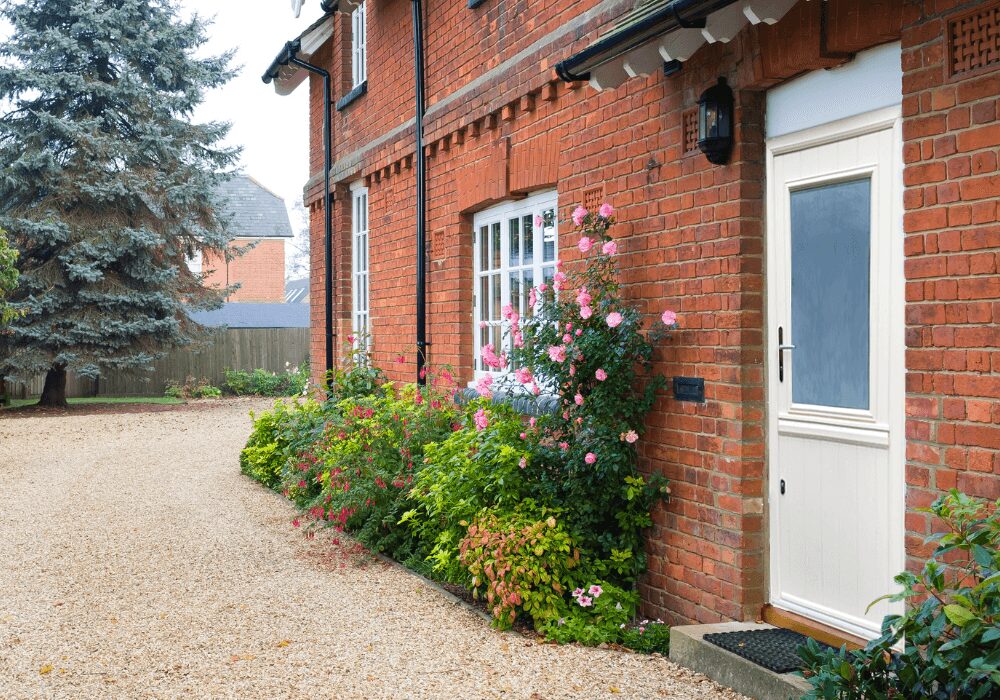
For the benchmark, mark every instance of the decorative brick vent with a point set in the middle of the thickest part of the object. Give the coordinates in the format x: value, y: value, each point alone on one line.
x: 593, y: 198
x: 974, y: 40
x: 689, y: 124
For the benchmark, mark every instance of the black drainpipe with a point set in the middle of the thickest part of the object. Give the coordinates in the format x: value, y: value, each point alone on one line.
x: 289, y: 55
x: 418, y: 89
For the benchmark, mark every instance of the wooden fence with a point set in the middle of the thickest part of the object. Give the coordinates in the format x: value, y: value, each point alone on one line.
x: 234, y: 348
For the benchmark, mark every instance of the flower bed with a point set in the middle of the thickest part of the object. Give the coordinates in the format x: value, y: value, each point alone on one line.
x: 539, y: 516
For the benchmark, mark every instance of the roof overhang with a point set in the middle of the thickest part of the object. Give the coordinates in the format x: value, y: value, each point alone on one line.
x: 286, y: 76
x: 663, y: 31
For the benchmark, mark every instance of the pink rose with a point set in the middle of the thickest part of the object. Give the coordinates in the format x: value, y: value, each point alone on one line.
x: 542, y: 287
x: 507, y: 310
x: 572, y: 370
x: 532, y: 297
x: 609, y: 248
x: 579, y: 332
x: 578, y: 399
x: 600, y: 374
x: 523, y: 462
x: 483, y: 324
x: 350, y: 339
x: 518, y: 339
x: 631, y: 436
x: 538, y: 221
x: 567, y: 338
x: 557, y: 353
x: 481, y: 420
x: 585, y: 313
x: 669, y: 317
x: 483, y: 385
x: 614, y: 319
x: 522, y: 374
x: 585, y: 244
x: 532, y: 421
x: 583, y: 297
x: 606, y: 210
x: 579, y: 214
x: 590, y: 458
x: 563, y: 446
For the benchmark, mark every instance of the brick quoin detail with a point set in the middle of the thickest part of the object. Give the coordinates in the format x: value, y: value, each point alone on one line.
x: 500, y: 125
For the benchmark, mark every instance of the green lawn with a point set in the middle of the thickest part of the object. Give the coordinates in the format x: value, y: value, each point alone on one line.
x: 15, y: 403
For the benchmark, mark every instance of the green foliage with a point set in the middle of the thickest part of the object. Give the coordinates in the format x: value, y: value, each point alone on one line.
x: 277, y: 436
x: 519, y: 561
x: 598, y: 614
x: 951, y: 626
x: 357, y: 476
x: 107, y: 186
x: 470, y: 471
x: 586, y: 462
x: 192, y: 389
x: 8, y: 278
x: 357, y: 376
x: 260, y: 382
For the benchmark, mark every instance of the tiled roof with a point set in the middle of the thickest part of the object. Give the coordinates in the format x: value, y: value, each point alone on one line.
x: 242, y: 315
x: 256, y: 211
x: 297, y: 291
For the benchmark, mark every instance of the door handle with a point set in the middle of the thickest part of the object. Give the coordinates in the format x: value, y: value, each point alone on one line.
x: 782, y: 346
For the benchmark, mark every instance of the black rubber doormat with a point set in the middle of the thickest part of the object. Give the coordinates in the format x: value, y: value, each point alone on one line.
x: 774, y: 649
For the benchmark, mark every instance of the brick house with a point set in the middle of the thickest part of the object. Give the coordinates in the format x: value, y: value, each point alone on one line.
x: 260, y: 221
x: 855, y: 218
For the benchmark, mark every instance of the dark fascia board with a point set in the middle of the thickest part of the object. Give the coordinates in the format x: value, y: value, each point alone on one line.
x: 653, y: 23
x: 352, y: 95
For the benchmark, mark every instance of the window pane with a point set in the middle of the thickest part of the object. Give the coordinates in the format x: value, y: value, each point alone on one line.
x: 497, y: 302
x: 496, y: 246
x: 484, y: 298
x: 831, y: 252
x: 548, y: 273
x: 514, y: 236
x: 549, y: 235
x: 529, y: 238
x: 529, y: 280
x: 484, y: 250
x: 515, y: 290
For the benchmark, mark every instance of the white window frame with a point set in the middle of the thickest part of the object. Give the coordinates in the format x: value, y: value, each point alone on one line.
x: 499, y: 218
x: 360, y: 295
x: 359, y: 46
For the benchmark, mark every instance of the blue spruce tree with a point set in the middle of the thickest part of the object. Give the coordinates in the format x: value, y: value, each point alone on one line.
x: 106, y: 185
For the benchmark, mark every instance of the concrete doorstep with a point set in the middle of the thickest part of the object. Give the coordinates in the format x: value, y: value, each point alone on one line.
x: 689, y: 648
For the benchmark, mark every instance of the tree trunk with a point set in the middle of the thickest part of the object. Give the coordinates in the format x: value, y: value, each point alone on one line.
x: 54, y: 392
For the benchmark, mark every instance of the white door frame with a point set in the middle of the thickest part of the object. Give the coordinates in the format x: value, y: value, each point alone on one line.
x: 852, y: 427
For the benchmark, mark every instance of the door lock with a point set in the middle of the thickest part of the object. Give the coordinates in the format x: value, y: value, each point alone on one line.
x: 781, y: 487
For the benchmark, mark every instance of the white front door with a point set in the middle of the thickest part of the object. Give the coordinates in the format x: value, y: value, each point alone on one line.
x: 836, y: 369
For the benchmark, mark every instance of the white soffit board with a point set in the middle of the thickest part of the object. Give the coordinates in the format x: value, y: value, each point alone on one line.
x: 290, y: 77
x: 873, y: 80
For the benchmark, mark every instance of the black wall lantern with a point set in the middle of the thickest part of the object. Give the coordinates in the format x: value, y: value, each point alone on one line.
x: 715, y: 122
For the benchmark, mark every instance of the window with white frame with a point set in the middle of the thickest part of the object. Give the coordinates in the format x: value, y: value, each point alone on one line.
x: 359, y: 262
x: 359, y: 45
x: 514, y: 250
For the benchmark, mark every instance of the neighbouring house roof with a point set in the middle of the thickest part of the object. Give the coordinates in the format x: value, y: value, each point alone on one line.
x: 255, y: 211
x: 242, y: 315
x: 297, y: 291
x: 664, y: 31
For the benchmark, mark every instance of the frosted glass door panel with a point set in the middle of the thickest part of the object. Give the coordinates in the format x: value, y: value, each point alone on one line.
x: 831, y: 268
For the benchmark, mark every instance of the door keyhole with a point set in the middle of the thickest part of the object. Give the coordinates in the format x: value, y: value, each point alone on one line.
x: 781, y: 487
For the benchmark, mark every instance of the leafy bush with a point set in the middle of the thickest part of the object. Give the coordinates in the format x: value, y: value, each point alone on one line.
x: 585, y: 343
x: 273, y: 440
x: 519, y: 561
x: 363, y: 467
x: 598, y: 614
x: 260, y: 382
x: 192, y: 389
x: 474, y: 469
x: 950, y: 629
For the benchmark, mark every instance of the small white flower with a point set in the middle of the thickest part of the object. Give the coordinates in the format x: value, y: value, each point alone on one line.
x: 618, y: 606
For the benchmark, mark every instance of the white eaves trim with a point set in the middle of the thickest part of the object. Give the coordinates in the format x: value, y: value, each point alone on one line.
x: 681, y: 44
x: 290, y: 77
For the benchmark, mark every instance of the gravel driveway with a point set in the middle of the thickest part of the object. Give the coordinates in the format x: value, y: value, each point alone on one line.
x: 136, y: 562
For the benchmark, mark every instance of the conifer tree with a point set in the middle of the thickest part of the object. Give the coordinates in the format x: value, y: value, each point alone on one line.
x: 106, y: 184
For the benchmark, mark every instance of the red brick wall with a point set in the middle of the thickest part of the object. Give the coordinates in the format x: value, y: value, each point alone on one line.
x: 260, y: 271
x: 691, y: 236
x: 951, y: 145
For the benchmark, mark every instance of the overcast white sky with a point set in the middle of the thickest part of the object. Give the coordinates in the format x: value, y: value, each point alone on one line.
x: 273, y: 130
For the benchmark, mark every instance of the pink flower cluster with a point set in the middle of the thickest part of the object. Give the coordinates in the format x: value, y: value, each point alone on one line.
x: 584, y: 600
x: 491, y: 359
x: 483, y: 386
x: 481, y: 420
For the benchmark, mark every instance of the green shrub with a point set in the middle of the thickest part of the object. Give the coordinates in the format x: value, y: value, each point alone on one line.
x: 519, y: 561
x: 364, y: 465
x: 192, y: 389
x: 472, y: 470
x: 277, y: 436
x: 260, y: 382
x: 951, y: 626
